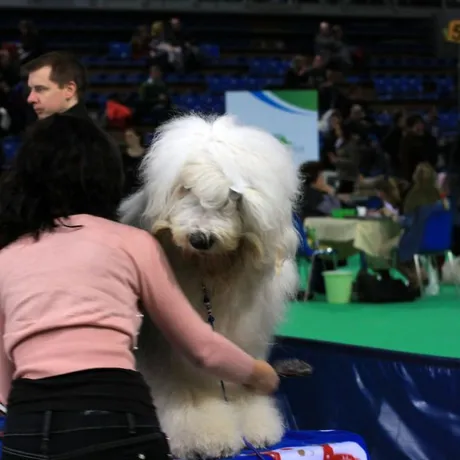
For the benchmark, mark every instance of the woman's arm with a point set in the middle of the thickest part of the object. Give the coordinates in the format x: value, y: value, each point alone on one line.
x: 180, y: 323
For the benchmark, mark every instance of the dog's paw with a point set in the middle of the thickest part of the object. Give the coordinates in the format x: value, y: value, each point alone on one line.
x: 262, y: 424
x: 207, y: 429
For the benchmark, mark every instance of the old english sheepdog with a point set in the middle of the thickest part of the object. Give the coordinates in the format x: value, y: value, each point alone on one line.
x: 218, y: 196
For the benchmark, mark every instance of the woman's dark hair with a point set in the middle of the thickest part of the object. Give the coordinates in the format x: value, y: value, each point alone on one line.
x: 310, y: 171
x: 65, y: 166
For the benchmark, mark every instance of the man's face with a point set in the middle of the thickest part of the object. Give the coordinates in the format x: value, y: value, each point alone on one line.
x: 46, y: 97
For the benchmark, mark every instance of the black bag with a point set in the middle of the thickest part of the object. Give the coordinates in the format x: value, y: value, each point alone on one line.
x: 373, y: 288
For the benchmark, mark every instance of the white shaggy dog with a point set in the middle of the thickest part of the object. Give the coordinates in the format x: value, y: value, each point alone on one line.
x: 218, y: 196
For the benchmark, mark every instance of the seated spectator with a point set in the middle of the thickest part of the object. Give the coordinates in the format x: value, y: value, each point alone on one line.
x: 178, y: 37
x: 316, y: 73
x: 317, y: 197
x: 389, y: 192
x: 162, y: 52
x: 154, y: 97
x: 31, y: 43
x: 154, y: 90
x: 424, y: 189
x: 297, y: 74
x: 133, y: 153
x: 140, y: 42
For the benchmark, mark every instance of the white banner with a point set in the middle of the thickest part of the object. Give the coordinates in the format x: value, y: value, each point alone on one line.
x: 290, y: 115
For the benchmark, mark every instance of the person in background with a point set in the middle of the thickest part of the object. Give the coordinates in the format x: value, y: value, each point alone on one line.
x: 154, y: 99
x: 330, y: 127
x: 414, y: 148
x: 341, y: 53
x: 316, y: 73
x: 133, y: 153
x: 317, y: 197
x: 356, y: 121
x: 31, y: 44
x: 389, y: 192
x: 140, y: 42
x: 9, y: 69
x: 71, y: 279
x: 57, y: 82
x: 325, y: 42
x: 347, y: 159
x: 392, y: 141
x: 424, y: 189
x: 297, y: 74
x: 330, y: 95
x: 180, y: 37
x: 163, y: 52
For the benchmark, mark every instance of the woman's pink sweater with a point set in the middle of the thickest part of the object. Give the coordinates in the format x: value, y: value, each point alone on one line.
x: 69, y: 302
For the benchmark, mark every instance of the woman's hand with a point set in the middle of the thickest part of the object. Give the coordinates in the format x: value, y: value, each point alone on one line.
x: 264, y: 379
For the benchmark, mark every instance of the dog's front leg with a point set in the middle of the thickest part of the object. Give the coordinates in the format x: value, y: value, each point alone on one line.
x: 260, y: 420
x: 199, y: 423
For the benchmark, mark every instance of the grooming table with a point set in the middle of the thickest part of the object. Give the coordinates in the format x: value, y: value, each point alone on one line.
x: 313, y: 445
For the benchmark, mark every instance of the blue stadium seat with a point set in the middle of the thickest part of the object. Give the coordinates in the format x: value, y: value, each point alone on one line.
x: 10, y: 146
x: 136, y: 78
x: 119, y: 50
x: 210, y: 51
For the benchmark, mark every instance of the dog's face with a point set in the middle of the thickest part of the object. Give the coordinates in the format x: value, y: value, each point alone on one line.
x: 206, y: 227
x: 204, y: 213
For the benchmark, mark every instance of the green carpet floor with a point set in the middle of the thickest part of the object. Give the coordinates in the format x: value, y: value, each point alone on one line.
x: 428, y: 326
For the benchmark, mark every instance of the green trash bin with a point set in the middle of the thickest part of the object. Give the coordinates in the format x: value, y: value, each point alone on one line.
x: 339, y: 284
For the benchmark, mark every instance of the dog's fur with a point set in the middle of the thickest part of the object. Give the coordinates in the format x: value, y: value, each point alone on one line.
x: 237, y: 183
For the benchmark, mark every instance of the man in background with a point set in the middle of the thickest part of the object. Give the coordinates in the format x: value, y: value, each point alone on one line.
x: 154, y: 100
x: 57, y: 83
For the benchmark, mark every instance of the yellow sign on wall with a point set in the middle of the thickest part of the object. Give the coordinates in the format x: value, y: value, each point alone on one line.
x: 453, y: 31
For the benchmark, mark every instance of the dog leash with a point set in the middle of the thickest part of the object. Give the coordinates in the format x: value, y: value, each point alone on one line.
x: 211, y: 320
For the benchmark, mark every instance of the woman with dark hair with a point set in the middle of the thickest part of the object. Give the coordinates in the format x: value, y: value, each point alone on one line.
x: 317, y: 197
x: 71, y: 278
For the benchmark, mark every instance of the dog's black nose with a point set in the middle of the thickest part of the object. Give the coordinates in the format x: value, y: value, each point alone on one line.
x: 201, y: 241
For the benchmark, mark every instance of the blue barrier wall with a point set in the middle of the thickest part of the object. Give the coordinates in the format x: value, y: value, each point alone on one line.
x: 405, y: 407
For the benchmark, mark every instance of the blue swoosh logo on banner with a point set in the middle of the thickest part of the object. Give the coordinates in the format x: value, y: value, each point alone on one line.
x: 264, y: 98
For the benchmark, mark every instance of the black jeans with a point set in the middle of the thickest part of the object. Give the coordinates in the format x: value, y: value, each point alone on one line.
x: 89, y: 435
